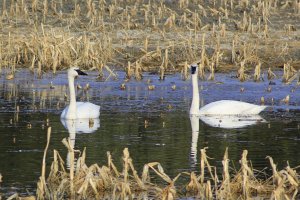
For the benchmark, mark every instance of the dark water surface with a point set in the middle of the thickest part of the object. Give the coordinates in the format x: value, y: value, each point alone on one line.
x: 154, y: 125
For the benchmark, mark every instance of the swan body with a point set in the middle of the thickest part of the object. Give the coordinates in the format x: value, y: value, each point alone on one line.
x: 222, y: 107
x: 78, y: 110
x: 84, y: 110
x: 230, y: 107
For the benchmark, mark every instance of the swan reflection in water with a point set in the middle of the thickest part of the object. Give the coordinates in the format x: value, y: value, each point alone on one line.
x: 225, y: 122
x: 79, y: 126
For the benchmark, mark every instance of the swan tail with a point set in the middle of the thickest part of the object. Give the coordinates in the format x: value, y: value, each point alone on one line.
x: 256, y: 110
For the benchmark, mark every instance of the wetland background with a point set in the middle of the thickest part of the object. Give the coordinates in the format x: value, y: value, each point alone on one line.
x: 250, y: 49
x: 153, y: 124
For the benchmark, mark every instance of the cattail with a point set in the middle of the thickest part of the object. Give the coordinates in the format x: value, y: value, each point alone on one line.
x: 61, y: 4
x: 138, y: 71
x: 39, y: 71
x: 123, y: 86
x: 128, y: 71
x: 213, y: 29
x: 218, y: 44
x: 245, y: 21
x: 77, y: 10
x: 203, y: 55
x: 45, y: 10
x: 184, y: 73
x: 266, y: 31
x: 146, y: 44
x: 233, y: 59
x: 78, y: 86
x: 160, y: 13
x: 111, y: 10
x: 201, y: 71
x: 245, y: 51
x: 249, y: 24
x: 151, y: 87
x: 271, y: 74
x: 258, y: 25
x: 262, y: 101
x: 158, y: 51
x: 223, y: 30
x: 286, y: 100
x: 286, y: 72
x: 196, y: 20
x: 128, y: 22
x: 4, y: 11
x: 212, y: 72
x: 183, y: 19
x: 169, y: 23
x: 226, y: 13
x: 162, y: 70
x: 241, y: 72
x: 55, y: 61
x: 257, y: 72
x: 166, y: 59
x: 153, y: 19
x: 146, y: 20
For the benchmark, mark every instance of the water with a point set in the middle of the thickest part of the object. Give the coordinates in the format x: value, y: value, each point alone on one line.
x: 154, y: 125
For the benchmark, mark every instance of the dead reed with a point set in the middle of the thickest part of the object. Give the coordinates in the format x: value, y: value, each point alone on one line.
x: 83, y: 182
x: 52, y: 35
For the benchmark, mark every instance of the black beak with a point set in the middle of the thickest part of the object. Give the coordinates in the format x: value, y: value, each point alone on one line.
x: 80, y: 72
x: 193, y: 69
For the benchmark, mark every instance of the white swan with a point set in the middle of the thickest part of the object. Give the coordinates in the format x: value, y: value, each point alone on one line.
x: 223, y: 107
x: 78, y: 110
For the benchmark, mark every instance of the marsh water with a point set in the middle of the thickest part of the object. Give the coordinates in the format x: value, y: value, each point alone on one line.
x: 153, y: 124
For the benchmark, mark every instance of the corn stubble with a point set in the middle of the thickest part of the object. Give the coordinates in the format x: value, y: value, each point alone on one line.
x: 98, y: 34
x: 81, y: 181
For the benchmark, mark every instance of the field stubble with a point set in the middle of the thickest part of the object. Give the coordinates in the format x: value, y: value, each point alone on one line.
x: 157, y: 36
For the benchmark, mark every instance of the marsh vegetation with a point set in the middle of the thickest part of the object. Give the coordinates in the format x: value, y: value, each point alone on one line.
x: 150, y: 42
x: 158, y: 36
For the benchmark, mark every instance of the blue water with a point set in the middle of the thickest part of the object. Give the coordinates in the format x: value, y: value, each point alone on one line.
x: 153, y: 124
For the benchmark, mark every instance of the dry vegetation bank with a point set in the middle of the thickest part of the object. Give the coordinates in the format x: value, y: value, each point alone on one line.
x: 149, y: 35
x: 80, y: 181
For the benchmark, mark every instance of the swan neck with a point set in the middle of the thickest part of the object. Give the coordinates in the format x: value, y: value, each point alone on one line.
x: 72, y: 106
x: 196, y: 99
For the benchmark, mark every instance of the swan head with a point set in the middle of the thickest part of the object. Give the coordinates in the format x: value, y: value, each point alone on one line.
x: 75, y: 71
x: 194, y: 68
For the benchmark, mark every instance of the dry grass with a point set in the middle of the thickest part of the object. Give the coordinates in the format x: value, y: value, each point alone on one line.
x: 148, y: 35
x: 84, y: 182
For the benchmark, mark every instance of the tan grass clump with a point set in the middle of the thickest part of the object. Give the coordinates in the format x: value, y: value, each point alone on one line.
x: 83, y: 182
x: 241, y: 72
x: 52, y: 35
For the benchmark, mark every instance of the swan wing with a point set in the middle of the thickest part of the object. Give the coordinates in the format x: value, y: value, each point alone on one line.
x: 87, y: 110
x: 230, y: 107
